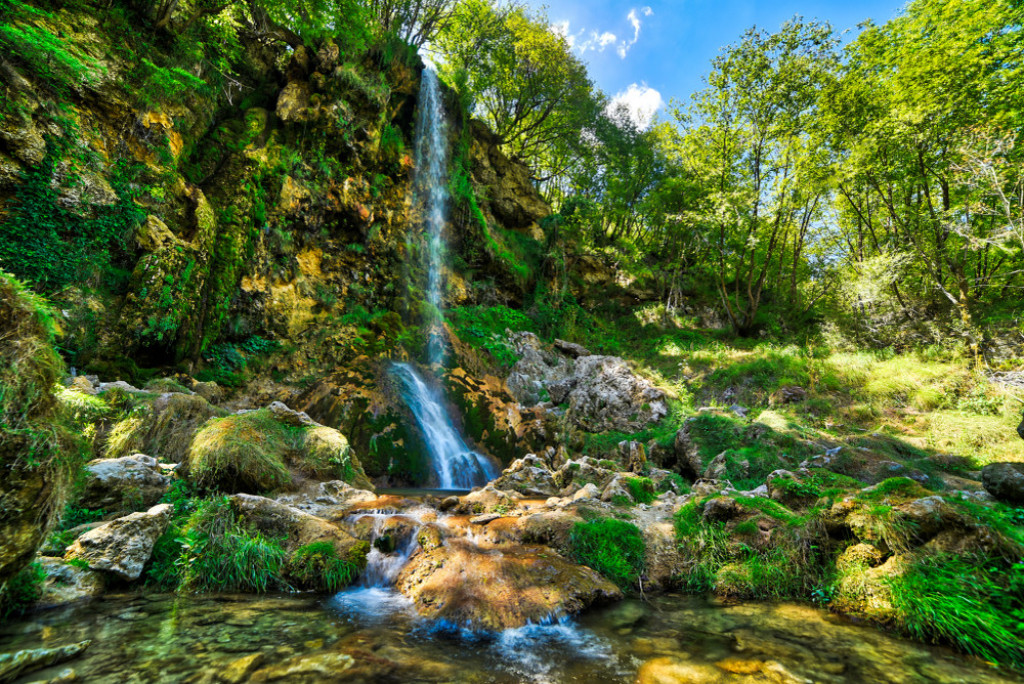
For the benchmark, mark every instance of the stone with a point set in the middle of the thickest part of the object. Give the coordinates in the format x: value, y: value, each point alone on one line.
x: 530, y: 476
x: 298, y: 528
x: 123, y: 483
x: 1005, y: 481
x: 720, y: 465
x: 588, y: 491
x: 722, y: 509
x: 787, y: 394
x: 291, y: 417
x: 240, y: 670
x: 609, y: 396
x: 293, y: 102
x: 313, y: 667
x: 321, y: 498
x: 484, y: 589
x: 153, y: 234
x: 123, y: 546
x: 18, y: 664
x: 571, y: 349
x: 486, y: 498
x: 66, y: 583
x: 485, y: 518
x: 634, y: 455
x: 616, y: 489
x: 740, y: 411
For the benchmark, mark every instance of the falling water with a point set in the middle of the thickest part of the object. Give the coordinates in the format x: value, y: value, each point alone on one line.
x: 455, y: 464
x: 431, y: 197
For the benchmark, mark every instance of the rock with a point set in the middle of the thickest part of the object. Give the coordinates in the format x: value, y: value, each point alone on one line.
x: 485, y: 518
x: 588, y: 491
x: 616, y: 489
x: 575, y: 474
x: 722, y: 509
x: 153, y: 235
x: 571, y: 349
x: 470, y: 586
x: 740, y: 411
x: 720, y: 466
x: 123, y: 483
x: 535, y: 370
x: 123, y: 546
x: 17, y: 664
x: 609, y: 396
x: 119, y: 385
x: 448, y: 503
x: 787, y: 394
x: 293, y: 102
x: 859, y: 556
x: 313, y: 667
x: 297, y: 528
x: 320, y: 498
x: 634, y: 456
x: 291, y: 417
x: 686, y: 454
x: 484, y: 499
x: 239, y: 670
x: 1005, y: 481
x: 528, y: 475
x: 67, y: 583
x: 625, y: 614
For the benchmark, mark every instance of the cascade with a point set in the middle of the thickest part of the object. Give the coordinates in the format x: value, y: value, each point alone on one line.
x: 455, y: 464
x: 431, y: 198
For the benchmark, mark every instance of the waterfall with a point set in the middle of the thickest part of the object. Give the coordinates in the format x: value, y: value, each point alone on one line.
x: 431, y: 197
x: 455, y: 464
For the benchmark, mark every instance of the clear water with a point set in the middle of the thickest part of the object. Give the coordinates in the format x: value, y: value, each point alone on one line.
x: 170, y: 639
x: 431, y: 197
x: 455, y: 465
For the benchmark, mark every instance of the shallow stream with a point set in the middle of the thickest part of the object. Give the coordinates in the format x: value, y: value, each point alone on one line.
x: 369, y: 634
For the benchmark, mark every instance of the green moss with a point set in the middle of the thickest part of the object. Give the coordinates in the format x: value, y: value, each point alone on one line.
x: 612, y: 547
x: 317, y: 567
x: 641, y: 489
x: 21, y: 591
x: 895, y: 489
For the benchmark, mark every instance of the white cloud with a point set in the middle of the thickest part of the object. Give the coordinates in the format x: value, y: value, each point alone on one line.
x: 634, y: 19
x: 604, y: 40
x: 639, y: 102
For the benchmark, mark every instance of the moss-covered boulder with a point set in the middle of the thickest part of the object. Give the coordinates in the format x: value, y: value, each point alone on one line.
x: 271, y: 449
x: 35, y: 468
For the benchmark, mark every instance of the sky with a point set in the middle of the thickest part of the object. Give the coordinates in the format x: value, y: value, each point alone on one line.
x: 647, y: 52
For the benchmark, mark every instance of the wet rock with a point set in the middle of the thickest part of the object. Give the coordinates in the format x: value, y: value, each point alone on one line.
x: 529, y: 476
x: 240, y: 670
x: 322, y: 498
x: 67, y: 583
x: 20, y: 663
x: 123, y: 483
x: 1005, y: 481
x: 487, y: 589
x: 485, y: 518
x: 314, y: 667
x: 123, y: 546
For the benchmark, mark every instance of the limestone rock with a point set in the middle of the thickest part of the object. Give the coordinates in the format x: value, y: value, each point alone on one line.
x: 291, y: 417
x: 116, y: 483
x: 17, y: 664
x: 609, y: 396
x: 528, y: 475
x: 298, y: 528
x: 154, y: 234
x: 589, y: 491
x: 1005, y: 481
x: 67, y: 583
x: 123, y: 546
x: 470, y: 586
x: 486, y: 498
x: 616, y: 489
x: 239, y: 670
x: 571, y: 349
x: 293, y: 102
x: 325, y: 497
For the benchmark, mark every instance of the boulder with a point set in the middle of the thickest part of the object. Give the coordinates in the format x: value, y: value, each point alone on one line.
x: 123, y: 483
x: 634, y: 455
x: 486, y: 498
x: 536, y: 370
x: 571, y: 349
x: 576, y: 474
x: 15, y: 665
x: 1005, y: 481
x: 616, y: 489
x: 529, y: 476
x: 324, y: 498
x: 293, y: 102
x: 298, y: 528
x: 608, y: 396
x: 66, y: 583
x: 123, y: 546
x: 468, y: 586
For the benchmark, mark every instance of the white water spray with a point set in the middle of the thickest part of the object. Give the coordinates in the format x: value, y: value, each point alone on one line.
x: 455, y: 464
x: 431, y: 196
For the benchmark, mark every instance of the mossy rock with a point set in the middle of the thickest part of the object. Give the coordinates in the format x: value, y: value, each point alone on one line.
x: 37, y: 454
x: 258, y: 452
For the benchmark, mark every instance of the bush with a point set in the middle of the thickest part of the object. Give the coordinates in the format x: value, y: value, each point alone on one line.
x: 317, y: 567
x: 612, y: 547
x: 22, y: 591
x: 218, y: 554
x: 641, y: 489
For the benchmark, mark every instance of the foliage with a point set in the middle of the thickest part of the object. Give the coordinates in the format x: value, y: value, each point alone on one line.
x: 614, y: 548
x: 218, y: 554
x: 641, y: 489
x: 317, y: 566
x: 22, y: 590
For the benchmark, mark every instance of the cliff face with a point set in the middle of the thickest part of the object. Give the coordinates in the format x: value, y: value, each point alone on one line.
x: 180, y: 219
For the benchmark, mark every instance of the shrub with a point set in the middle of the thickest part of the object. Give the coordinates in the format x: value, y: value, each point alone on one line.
x: 317, y: 566
x: 612, y: 547
x: 22, y: 591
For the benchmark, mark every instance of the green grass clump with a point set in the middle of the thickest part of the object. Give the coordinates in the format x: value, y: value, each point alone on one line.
x: 22, y: 590
x: 612, y: 547
x: 641, y: 489
x: 975, y: 603
x: 318, y: 567
x: 241, y: 453
x: 218, y: 554
x: 895, y: 489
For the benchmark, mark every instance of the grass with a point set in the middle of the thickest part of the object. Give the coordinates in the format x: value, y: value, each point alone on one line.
x: 614, y: 548
x: 976, y: 604
x: 641, y: 489
x: 21, y: 591
x: 317, y: 567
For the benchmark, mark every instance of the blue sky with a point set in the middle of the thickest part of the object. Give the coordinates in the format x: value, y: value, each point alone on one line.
x: 651, y: 51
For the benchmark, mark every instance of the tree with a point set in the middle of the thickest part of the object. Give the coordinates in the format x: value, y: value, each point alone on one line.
x: 417, y: 22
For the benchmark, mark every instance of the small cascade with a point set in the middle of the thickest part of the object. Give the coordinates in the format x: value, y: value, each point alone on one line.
x: 431, y: 196
x: 455, y: 464
x: 382, y: 569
